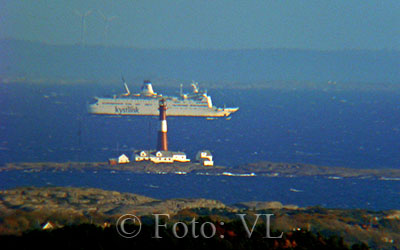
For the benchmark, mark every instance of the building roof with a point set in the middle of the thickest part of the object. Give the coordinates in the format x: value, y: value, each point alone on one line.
x: 207, y: 152
x: 178, y: 153
x: 170, y: 153
x: 151, y: 153
x: 123, y: 156
x: 165, y: 153
x: 148, y: 152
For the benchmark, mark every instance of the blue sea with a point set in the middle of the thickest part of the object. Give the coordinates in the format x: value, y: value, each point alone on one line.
x: 356, y: 129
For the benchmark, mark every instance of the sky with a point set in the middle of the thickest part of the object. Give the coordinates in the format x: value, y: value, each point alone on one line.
x: 208, y: 24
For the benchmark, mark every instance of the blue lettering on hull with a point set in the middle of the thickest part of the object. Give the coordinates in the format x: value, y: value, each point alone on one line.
x: 126, y: 110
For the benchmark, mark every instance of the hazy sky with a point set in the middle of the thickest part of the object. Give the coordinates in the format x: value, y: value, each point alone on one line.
x: 226, y: 24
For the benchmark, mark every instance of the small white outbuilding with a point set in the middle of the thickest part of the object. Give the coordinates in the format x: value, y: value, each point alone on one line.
x: 123, y: 159
x: 205, y: 157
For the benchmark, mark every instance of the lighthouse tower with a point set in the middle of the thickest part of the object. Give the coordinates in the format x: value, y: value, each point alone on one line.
x: 162, y: 155
x: 162, y: 142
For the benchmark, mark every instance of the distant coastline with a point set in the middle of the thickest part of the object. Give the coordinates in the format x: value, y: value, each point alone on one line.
x: 361, y: 70
x: 283, y: 85
x: 266, y: 169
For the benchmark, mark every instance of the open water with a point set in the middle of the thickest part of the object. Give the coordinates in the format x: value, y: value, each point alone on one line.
x: 352, y: 129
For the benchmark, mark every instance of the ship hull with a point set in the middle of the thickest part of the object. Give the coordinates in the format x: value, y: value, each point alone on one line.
x: 110, y: 106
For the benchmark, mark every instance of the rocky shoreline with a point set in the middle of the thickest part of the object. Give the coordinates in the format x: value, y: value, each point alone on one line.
x: 87, y: 200
x: 267, y: 169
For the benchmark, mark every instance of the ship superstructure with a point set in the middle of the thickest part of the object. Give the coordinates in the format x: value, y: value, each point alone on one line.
x: 197, y: 103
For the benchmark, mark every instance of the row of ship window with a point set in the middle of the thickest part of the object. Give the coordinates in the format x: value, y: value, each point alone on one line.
x: 146, y: 104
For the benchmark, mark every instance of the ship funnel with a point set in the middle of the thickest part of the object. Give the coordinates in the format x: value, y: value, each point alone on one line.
x: 147, y: 89
x: 162, y: 142
x: 209, y: 101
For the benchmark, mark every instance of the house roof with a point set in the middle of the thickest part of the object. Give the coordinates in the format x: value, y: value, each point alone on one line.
x: 170, y: 153
x: 207, y: 152
x: 123, y: 156
x: 178, y: 153
x: 165, y: 153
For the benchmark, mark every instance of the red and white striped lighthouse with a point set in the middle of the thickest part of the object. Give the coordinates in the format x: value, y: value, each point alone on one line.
x: 162, y: 144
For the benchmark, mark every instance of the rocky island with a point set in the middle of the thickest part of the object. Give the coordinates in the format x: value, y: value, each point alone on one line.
x: 267, y: 169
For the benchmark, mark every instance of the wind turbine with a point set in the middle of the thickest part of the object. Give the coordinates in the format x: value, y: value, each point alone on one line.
x: 107, y: 21
x: 83, y: 24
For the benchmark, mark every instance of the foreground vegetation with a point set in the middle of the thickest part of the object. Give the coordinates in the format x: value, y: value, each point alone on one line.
x: 89, y: 236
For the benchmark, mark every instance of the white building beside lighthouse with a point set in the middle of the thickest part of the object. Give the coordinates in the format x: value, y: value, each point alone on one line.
x: 205, y: 157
